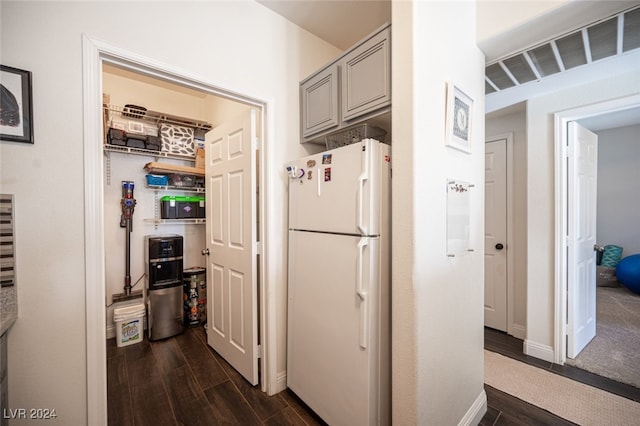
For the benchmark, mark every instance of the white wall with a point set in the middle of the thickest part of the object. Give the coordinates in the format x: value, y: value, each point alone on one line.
x: 540, y: 198
x: 437, y: 301
x: 514, y: 123
x: 618, y: 178
x: 240, y: 46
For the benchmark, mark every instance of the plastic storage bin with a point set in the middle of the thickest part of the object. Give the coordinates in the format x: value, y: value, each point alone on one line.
x: 159, y: 180
x: 178, y: 207
x: 129, y: 324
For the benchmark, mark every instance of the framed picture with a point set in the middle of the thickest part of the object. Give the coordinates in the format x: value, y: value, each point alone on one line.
x: 459, y: 118
x: 16, y: 120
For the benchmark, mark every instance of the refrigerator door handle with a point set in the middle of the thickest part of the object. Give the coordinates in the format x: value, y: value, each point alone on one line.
x: 364, y: 176
x: 361, y: 227
x: 362, y: 294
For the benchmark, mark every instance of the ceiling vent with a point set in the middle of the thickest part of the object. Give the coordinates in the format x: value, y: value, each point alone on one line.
x: 606, y: 38
x: 631, y: 30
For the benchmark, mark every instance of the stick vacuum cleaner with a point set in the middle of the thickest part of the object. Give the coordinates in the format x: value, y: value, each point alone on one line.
x: 128, y: 204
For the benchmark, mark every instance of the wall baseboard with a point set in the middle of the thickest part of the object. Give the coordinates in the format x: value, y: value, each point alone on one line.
x: 281, y: 382
x: 540, y: 351
x: 476, y: 412
x: 519, y: 331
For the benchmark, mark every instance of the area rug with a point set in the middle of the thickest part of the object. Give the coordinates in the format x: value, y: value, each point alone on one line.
x: 571, y: 400
x: 615, y: 351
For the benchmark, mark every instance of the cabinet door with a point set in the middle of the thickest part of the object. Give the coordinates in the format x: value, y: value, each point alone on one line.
x: 319, y: 98
x: 366, y: 77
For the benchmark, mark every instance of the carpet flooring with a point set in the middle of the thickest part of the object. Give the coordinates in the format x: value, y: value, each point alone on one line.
x: 579, y: 403
x: 615, y: 351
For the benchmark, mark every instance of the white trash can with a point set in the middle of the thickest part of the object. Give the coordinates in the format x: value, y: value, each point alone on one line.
x: 129, y: 324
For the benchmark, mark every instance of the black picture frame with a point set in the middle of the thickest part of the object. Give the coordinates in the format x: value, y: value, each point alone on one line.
x: 16, y: 108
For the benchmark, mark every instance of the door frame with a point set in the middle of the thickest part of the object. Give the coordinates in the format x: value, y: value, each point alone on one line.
x: 561, y: 120
x: 96, y: 52
x: 511, y: 328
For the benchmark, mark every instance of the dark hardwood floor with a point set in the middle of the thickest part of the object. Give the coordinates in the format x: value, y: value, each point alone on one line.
x: 182, y: 381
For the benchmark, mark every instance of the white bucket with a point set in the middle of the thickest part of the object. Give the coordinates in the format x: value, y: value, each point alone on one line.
x: 129, y: 324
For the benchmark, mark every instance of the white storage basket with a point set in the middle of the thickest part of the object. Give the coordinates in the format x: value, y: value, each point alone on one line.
x: 177, y: 140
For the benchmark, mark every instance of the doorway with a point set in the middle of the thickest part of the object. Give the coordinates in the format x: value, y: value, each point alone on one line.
x: 95, y: 54
x: 563, y: 292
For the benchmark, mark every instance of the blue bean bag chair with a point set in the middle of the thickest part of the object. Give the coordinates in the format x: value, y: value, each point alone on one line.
x: 628, y: 272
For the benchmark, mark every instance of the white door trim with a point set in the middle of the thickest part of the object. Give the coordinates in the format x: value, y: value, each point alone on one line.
x: 511, y: 328
x: 94, y: 237
x: 96, y: 52
x: 561, y: 153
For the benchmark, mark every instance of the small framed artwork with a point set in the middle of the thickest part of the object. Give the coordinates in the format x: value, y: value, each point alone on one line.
x: 16, y: 114
x: 459, y: 118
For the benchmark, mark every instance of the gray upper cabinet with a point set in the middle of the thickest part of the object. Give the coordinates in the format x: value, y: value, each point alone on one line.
x: 350, y: 90
x: 366, y: 77
x: 319, y: 97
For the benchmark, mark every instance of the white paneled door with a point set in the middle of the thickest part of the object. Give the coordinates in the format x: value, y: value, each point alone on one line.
x: 495, y: 238
x: 581, y: 238
x: 232, y: 293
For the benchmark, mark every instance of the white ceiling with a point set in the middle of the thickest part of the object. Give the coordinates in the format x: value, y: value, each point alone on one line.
x: 339, y: 23
x: 499, y: 36
x: 612, y: 120
x: 503, y: 26
x: 342, y: 23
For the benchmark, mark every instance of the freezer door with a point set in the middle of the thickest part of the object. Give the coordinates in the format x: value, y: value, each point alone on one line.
x: 340, y: 190
x: 333, y: 326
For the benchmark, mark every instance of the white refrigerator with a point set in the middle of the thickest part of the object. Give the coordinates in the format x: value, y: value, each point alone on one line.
x: 338, y: 340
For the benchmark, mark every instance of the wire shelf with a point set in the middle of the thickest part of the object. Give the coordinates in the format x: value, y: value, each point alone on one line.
x: 157, y: 117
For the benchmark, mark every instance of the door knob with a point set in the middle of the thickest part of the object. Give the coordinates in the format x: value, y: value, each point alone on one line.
x: 205, y: 252
x: 499, y: 246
